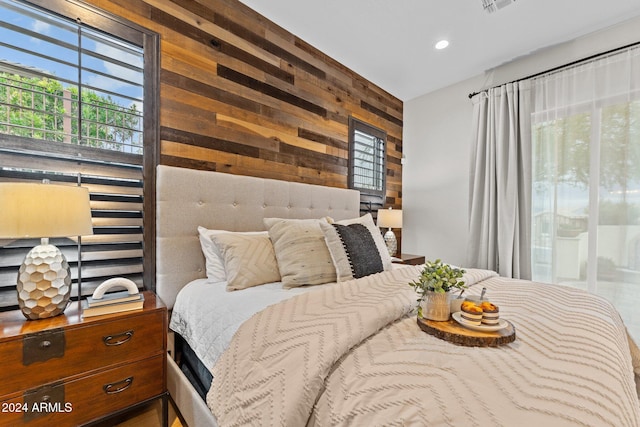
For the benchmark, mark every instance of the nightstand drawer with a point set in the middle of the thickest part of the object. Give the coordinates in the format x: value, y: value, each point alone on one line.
x: 48, y: 356
x: 86, y: 398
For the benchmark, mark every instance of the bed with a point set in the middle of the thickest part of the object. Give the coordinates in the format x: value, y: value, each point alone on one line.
x: 348, y: 351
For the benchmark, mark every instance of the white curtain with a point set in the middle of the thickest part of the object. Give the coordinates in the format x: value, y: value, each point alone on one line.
x: 586, y: 179
x: 500, y: 181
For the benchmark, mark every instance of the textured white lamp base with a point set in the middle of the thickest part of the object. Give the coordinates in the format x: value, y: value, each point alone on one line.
x: 392, y: 243
x: 44, y: 283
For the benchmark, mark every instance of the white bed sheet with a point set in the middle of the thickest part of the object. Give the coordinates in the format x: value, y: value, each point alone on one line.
x: 207, y: 316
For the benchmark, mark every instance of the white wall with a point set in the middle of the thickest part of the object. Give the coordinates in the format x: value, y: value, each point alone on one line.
x: 437, y: 145
x: 435, y: 180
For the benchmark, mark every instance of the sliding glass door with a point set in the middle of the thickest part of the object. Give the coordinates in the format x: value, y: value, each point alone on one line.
x: 586, y: 181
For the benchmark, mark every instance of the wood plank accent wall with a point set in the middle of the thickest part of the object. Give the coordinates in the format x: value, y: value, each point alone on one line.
x: 239, y: 94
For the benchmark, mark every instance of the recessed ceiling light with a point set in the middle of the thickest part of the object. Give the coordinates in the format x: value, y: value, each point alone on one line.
x: 442, y: 44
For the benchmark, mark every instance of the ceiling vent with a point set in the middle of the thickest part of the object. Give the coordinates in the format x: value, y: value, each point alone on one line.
x: 491, y: 6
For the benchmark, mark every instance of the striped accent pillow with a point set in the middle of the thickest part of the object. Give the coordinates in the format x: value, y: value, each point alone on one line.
x: 353, y: 251
x: 357, y: 248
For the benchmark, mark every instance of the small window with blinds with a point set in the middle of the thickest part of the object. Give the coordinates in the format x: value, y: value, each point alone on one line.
x: 367, y: 170
x: 73, y: 111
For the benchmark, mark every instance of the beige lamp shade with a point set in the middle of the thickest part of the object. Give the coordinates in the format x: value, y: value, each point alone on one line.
x: 390, y: 218
x: 30, y: 210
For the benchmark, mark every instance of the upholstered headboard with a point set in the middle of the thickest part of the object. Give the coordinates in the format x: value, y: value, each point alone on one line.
x: 187, y: 198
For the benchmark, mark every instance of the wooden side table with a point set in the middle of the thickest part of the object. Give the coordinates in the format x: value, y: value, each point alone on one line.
x: 410, y: 259
x: 69, y: 371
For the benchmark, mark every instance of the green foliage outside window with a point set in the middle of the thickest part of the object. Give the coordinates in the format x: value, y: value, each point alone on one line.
x: 41, y: 108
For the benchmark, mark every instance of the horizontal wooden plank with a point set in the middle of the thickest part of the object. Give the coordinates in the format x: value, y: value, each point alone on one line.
x: 369, y: 107
x: 209, y: 91
x: 265, y: 116
x: 186, y: 18
x: 272, y: 136
x: 265, y: 44
x: 182, y: 162
x: 208, y: 142
x: 269, y: 90
x: 234, y: 99
x: 189, y: 118
x: 323, y: 139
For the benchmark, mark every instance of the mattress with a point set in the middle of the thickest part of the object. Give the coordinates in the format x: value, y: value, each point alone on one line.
x: 192, y: 367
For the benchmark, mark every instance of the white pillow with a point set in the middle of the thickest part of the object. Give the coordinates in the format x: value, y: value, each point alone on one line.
x: 214, y: 264
x: 302, y: 254
x: 249, y: 259
x: 357, y: 248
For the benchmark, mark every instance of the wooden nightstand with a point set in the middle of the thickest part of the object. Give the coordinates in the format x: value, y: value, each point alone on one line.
x: 69, y: 371
x: 410, y: 259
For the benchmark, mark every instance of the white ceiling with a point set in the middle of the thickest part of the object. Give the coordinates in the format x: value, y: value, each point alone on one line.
x: 390, y: 42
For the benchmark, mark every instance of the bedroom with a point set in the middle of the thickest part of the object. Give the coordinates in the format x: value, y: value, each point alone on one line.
x: 194, y: 104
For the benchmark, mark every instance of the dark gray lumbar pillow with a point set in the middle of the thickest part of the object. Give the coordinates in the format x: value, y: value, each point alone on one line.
x: 353, y: 250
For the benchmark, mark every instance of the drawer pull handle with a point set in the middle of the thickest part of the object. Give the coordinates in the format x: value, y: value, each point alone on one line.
x: 45, y: 344
x: 119, y: 339
x: 118, y: 387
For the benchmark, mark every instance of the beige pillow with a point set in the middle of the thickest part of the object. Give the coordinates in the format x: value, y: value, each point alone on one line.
x: 214, y: 263
x: 302, y: 254
x: 249, y: 260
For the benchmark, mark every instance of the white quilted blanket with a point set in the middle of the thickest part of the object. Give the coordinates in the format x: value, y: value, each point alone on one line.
x: 207, y: 316
x: 353, y: 355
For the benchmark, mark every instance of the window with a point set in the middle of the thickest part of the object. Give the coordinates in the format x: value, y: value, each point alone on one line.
x: 586, y: 180
x: 76, y: 108
x: 367, y: 167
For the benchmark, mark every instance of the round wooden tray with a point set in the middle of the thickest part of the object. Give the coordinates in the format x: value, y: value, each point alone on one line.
x: 453, y: 332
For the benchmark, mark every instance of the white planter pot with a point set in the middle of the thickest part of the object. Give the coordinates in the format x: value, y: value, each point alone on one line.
x: 435, y: 306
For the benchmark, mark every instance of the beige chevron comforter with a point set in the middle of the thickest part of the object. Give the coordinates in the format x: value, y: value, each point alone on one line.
x: 352, y: 354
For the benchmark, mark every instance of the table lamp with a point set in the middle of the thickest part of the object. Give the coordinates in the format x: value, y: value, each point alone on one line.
x: 390, y: 218
x: 42, y: 210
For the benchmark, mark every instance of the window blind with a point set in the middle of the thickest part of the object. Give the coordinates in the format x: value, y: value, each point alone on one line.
x: 367, y: 167
x: 116, y: 199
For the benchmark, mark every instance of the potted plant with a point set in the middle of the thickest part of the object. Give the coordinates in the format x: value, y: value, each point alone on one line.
x: 433, y: 286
